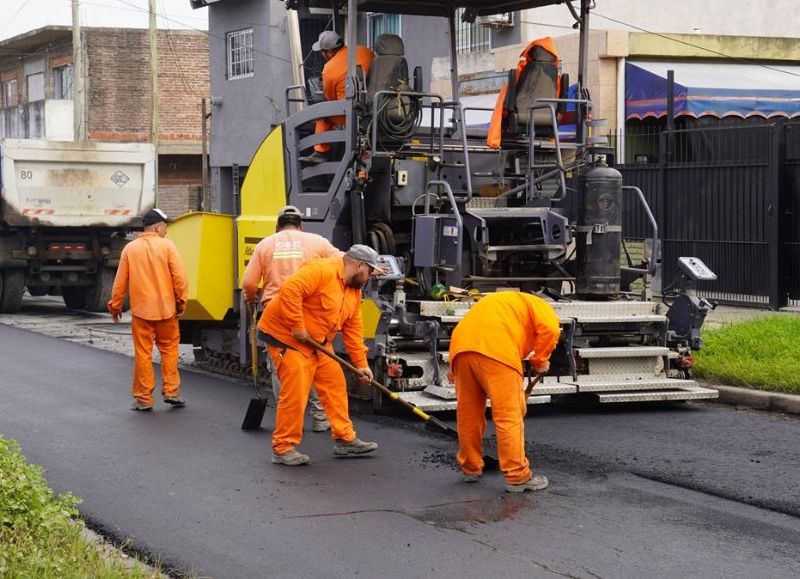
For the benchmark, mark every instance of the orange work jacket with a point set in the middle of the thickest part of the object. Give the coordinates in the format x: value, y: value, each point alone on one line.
x: 151, y: 270
x: 507, y: 326
x: 278, y: 256
x: 317, y: 299
x: 496, y: 124
x: 334, y: 74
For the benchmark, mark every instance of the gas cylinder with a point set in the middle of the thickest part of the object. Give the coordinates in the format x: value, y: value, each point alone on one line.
x: 599, y: 229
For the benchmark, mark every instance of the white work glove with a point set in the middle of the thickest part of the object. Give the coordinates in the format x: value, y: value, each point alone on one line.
x: 542, y: 370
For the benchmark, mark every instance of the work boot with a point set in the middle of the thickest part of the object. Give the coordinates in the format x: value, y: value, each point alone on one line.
x: 291, y: 458
x: 320, y: 425
x: 141, y: 407
x: 175, y: 400
x: 314, y: 158
x: 471, y: 478
x: 355, y: 446
x: 536, y: 483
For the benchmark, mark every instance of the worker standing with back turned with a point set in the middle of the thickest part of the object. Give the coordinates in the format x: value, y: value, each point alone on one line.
x: 274, y: 259
x: 320, y: 300
x: 486, y: 352
x: 151, y: 270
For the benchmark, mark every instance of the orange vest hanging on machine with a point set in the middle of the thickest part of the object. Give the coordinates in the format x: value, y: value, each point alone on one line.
x: 496, y: 125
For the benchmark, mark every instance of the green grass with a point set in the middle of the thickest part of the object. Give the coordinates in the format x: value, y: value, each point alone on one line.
x: 40, y: 533
x: 763, y: 353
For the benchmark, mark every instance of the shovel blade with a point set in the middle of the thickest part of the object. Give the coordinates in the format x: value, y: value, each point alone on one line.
x: 436, y: 425
x: 255, y: 414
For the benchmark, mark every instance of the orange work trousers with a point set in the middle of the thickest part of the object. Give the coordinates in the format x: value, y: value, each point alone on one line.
x: 166, y: 335
x: 297, y: 373
x: 478, y: 377
x: 327, y: 124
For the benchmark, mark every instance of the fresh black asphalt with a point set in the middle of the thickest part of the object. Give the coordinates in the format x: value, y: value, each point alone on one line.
x: 687, y: 490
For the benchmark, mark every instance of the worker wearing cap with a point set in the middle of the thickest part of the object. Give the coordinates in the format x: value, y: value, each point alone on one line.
x: 152, y: 273
x: 320, y: 300
x: 486, y: 352
x: 334, y: 79
x: 274, y: 259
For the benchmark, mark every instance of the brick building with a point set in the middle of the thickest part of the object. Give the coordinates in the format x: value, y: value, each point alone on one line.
x: 36, y: 92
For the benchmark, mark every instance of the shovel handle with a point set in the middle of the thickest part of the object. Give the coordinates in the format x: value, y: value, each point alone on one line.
x: 375, y: 384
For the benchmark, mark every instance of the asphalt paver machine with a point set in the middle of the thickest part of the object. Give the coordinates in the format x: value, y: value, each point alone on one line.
x: 410, y: 174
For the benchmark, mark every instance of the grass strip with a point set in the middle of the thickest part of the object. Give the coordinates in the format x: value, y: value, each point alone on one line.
x: 762, y: 353
x: 41, y: 533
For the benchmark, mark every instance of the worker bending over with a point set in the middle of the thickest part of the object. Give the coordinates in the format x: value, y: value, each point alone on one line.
x: 486, y: 352
x: 151, y: 270
x: 334, y: 82
x: 320, y: 300
x: 274, y: 259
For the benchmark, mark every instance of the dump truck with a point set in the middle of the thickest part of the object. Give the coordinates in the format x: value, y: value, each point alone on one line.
x: 67, y: 211
x: 454, y: 218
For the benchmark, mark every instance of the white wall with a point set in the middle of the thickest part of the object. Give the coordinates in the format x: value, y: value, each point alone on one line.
x: 58, y: 119
x: 729, y: 17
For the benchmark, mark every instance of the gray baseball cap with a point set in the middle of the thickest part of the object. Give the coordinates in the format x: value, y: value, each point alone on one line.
x: 328, y: 40
x: 290, y: 210
x: 367, y: 255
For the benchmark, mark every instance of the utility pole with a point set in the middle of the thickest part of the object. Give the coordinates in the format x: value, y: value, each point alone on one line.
x: 154, y: 85
x: 78, y: 97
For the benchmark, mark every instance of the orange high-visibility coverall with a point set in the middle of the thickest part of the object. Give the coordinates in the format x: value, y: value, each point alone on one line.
x: 151, y: 270
x: 493, y: 139
x: 486, y: 352
x: 316, y: 299
x: 278, y: 256
x: 334, y: 75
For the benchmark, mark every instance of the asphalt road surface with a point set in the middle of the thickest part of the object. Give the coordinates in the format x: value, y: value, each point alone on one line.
x: 686, y: 490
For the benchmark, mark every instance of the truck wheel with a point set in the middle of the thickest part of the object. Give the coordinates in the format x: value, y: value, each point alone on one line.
x: 97, y: 295
x: 38, y: 290
x: 74, y: 297
x: 13, y: 287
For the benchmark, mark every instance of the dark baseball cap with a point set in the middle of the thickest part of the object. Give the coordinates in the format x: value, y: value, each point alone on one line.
x: 154, y: 216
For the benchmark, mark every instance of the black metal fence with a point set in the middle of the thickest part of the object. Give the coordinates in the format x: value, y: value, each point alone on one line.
x: 729, y: 196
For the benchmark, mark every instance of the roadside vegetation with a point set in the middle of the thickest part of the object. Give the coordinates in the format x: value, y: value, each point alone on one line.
x: 41, y: 534
x: 762, y: 353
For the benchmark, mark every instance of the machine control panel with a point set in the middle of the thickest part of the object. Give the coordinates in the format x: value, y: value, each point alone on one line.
x: 391, y: 264
x: 695, y: 269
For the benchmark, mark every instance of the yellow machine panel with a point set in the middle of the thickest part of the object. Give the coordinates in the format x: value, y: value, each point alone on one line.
x: 263, y: 195
x: 205, y: 242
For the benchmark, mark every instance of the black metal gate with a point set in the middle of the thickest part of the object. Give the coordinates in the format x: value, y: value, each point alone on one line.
x: 729, y: 196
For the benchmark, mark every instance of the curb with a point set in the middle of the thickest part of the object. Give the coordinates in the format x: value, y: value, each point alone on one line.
x: 757, y: 399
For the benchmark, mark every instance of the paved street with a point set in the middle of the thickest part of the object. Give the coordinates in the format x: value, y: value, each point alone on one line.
x: 686, y: 490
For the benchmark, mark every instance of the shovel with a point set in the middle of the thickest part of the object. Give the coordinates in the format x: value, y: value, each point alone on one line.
x: 258, y: 405
x: 431, y: 423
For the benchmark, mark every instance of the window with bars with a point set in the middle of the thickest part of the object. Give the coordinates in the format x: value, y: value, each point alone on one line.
x: 382, y: 24
x: 240, y: 54
x: 471, y: 37
x: 62, y: 82
x: 9, y: 95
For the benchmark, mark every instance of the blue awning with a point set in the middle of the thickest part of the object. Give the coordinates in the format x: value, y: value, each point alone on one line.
x: 715, y: 89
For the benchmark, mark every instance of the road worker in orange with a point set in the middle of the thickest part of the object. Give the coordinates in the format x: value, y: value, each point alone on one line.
x: 151, y: 271
x: 320, y: 300
x: 486, y: 352
x: 334, y: 82
x: 274, y: 259
x: 528, y: 58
